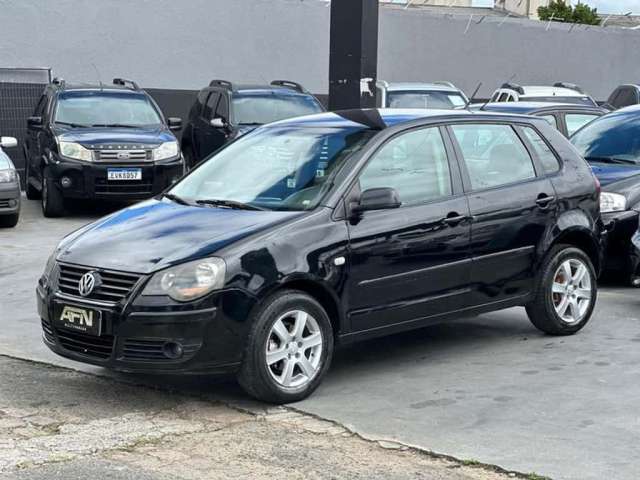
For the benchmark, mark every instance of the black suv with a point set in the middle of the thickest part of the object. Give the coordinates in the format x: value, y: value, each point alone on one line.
x: 224, y: 111
x: 329, y: 229
x: 103, y: 142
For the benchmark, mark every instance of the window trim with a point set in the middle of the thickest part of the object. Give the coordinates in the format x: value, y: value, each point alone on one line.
x: 541, y: 172
x: 466, y: 179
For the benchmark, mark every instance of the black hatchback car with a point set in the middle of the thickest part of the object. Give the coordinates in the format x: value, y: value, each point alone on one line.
x: 224, y: 111
x: 104, y: 142
x: 329, y: 229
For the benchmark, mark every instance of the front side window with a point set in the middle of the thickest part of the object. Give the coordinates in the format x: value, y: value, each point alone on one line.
x: 414, y: 164
x: 283, y: 168
x: 493, y: 154
x: 210, y: 106
x: 425, y: 99
x: 250, y: 109
x: 575, y: 121
x: 544, y: 153
x: 613, y: 138
x: 551, y: 119
x: 105, y: 109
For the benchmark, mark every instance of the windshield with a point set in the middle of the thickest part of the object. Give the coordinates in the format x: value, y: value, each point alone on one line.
x: 555, y: 99
x: 283, y: 168
x: 425, y: 99
x: 101, y: 108
x: 614, y: 136
x: 267, y: 108
x: 4, y: 161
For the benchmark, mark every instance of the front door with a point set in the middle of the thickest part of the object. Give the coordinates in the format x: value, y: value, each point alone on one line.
x: 512, y: 203
x: 412, y: 262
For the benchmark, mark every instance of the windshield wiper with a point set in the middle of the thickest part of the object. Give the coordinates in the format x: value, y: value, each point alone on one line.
x: 176, y: 198
x: 613, y: 160
x: 250, y: 124
x: 114, y: 125
x: 228, y: 204
x: 71, y: 124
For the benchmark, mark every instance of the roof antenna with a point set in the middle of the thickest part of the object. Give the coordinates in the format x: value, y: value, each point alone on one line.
x: 98, y: 75
x: 469, y: 100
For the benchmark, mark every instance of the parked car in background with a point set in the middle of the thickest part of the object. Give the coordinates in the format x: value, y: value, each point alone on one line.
x: 560, y: 92
x: 435, y: 95
x: 624, y: 96
x: 568, y: 118
x: 9, y: 186
x: 330, y: 228
x: 224, y: 111
x: 611, y: 145
x: 99, y: 142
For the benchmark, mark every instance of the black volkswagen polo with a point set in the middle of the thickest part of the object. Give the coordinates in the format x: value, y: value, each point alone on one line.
x: 324, y: 230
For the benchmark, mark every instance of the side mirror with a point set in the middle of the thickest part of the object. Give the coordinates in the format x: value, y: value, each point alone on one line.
x: 8, y: 142
x: 377, y: 199
x: 174, y: 123
x: 35, y: 122
x: 218, y: 123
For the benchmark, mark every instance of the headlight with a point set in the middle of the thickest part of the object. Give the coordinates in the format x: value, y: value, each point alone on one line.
x: 8, y: 176
x: 75, y: 151
x: 612, y: 202
x: 166, y: 150
x: 189, y: 281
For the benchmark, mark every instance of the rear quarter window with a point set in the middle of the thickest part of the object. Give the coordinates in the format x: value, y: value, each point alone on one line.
x: 546, y: 156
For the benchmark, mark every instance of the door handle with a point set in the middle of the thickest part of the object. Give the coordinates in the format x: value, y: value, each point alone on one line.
x: 544, y: 200
x: 453, y: 219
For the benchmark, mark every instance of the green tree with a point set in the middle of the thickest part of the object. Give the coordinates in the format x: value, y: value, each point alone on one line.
x: 560, y: 11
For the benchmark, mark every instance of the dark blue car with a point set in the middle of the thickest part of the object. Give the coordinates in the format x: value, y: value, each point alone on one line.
x: 611, y: 145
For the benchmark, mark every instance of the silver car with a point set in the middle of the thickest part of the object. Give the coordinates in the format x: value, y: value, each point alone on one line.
x: 9, y: 186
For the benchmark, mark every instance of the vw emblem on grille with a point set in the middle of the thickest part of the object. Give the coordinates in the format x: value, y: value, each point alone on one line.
x: 88, y: 282
x: 123, y: 155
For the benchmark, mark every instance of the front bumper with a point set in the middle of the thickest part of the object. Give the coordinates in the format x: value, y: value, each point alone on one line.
x: 9, y: 198
x: 620, y: 253
x: 211, y: 334
x: 89, y: 180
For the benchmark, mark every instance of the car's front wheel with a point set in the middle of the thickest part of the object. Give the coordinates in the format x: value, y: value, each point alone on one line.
x: 289, y: 348
x: 566, y: 292
x: 52, y: 200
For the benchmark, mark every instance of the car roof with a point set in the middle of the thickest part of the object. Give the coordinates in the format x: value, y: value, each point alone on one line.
x: 402, y: 86
x: 382, y: 118
x: 532, y: 107
x: 257, y: 89
x: 631, y: 110
x: 546, y: 91
x: 95, y: 88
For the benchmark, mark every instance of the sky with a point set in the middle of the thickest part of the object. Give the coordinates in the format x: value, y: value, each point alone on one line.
x: 604, y: 6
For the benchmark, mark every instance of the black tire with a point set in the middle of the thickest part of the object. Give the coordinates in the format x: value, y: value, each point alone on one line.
x: 52, y: 199
x: 255, y: 375
x: 32, y: 192
x: 542, y: 310
x: 9, y: 221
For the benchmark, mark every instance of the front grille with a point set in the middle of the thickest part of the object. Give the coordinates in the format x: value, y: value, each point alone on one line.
x: 4, y: 204
x: 92, y: 346
x: 123, y: 187
x: 145, y: 350
x: 47, y: 331
x: 123, y: 155
x: 115, y: 285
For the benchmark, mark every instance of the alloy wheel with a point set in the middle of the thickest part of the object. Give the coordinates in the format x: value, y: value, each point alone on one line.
x: 294, y: 349
x: 571, y: 291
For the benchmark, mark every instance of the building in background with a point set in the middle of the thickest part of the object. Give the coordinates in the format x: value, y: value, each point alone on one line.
x: 521, y: 8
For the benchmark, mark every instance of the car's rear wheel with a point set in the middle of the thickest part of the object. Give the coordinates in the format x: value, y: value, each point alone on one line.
x: 289, y: 348
x: 566, y: 292
x: 9, y: 221
x: 52, y: 199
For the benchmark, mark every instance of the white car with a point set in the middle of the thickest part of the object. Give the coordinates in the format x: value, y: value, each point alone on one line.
x: 435, y: 95
x: 9, y: 186
x: 560, y: 92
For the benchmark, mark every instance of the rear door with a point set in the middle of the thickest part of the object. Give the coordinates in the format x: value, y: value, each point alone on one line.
x: 411, y: 262
x: 511, y: 201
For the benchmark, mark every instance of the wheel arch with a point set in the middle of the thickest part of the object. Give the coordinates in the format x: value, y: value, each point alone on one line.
x: 583, y: 239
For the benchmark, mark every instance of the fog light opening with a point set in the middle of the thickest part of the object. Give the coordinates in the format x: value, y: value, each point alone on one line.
x: 172, y: 350
x: 635, y: 281
x: 66, y: 182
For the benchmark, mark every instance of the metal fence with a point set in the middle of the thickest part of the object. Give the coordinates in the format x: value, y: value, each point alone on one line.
x: 20, y: 89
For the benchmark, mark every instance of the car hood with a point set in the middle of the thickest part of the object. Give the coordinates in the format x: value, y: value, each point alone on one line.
x: 96, y: 137
x: 608, y: 173
x: 155, y: 234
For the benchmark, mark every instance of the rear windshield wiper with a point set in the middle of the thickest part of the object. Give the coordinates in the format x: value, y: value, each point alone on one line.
x: 175, y: 198
x: 228, y: 204
x: 613, y: 160
x: 72, y: 125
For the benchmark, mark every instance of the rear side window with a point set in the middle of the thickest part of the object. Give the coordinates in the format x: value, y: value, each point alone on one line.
x: 575, y: 121
x: 553, y: 121
x: 542, y: 150
x: 626, y: 97
x: 414, y: 164
x: 493, y: 154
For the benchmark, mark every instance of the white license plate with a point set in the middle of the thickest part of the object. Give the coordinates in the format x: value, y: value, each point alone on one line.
x: 124, y: 174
